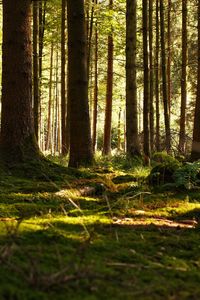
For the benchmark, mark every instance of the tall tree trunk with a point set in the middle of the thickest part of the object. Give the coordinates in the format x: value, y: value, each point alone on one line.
x: 109, y: 95
x: 132, y: 139
x: 157, y: 79
x: 63, y: 79
x: 183, y: 78
x: 17, y: 140
x: 36, y: 95
x: 49, y: 118
x: 195, y: 154
x: 146, y: 146
x: 151, y: 75
x: 169, y: 55
x: 164, y: 79
x: 90, y: 32
x: 94, y: 127
x: 80, y: 139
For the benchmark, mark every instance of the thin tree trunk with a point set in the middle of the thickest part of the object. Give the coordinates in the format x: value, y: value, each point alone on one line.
x: 90, y: 32
x: 146, y: 144
x: 169, y: 55
x: 94, y: 135
x: 109, y: 95
x: 164, y: 79
x: 195, y: 154
x: 49, y: 119
x: 151, y: 74
x: 132, y: 139
x: 36, y: 95
x: 63, y: 79
x: 157, y: 79
x: 183, y: 78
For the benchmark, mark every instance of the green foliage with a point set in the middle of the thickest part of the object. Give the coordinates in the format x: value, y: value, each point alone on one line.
x: 162, y: 172
x: 188, y: 176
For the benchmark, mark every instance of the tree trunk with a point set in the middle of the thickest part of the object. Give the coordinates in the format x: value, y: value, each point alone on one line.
x: 195, y: 154
x: 94, y: 134
x: 17, y: 140
x: 183, y: 78
x: 36, y: 95
x: 169, y: 55
x: 151, y: 75
x: 132, y: 139
x: 80, y: 139
x: 164, y: 79
x: 49, y: 118
x: 63, y: 80
x: 157, y: 80
x: 109, y: 95
x: 146, y: 145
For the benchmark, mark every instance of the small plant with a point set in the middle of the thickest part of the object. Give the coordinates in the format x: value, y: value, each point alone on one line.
x: 162, y: 172
x: 188, y: 176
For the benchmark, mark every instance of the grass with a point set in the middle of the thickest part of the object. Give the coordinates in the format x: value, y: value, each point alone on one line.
x: 86, y: 235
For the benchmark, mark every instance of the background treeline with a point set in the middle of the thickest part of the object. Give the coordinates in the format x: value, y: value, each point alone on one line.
x: 141, y: 60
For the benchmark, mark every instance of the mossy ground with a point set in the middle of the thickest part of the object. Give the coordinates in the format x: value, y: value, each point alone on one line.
x: 88, y: 235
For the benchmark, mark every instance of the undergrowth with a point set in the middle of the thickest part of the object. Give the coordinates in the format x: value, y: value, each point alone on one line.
x: 99, y: 233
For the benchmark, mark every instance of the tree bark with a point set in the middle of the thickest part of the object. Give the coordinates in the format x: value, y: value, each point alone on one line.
x: 146, y: 144
x: 36, y: 95
x: 63, y: 79
x: 17, y: 140
x: 164, y: 80
x: 109, y: 95
x: 95, y: 108
x: 132, y: 139
x: 157, y: 79
x: 183, y: 78
x: 80, y: 139
x: 195, y: 154
x: 151, y: 75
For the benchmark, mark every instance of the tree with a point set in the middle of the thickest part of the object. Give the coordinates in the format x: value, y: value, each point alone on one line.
x: 146, y: 80
x: 36, y: 96
x: 95, y: 108
x: 151, y: 78
x: 183, y: 77
x: 164, y: 79
x: 195, y: 154
x: 63, y: 80
x: 157, y: 80
x: 17, y: 139
x: 80, y: 139
x: 109, y: 94
x: 132, y: 139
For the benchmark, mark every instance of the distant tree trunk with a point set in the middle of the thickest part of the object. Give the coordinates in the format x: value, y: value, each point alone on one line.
x: 183, y: 78
x: 164, y: 79
x: 157, y: 89
x: 80, y: 139
x: 146, y: 143
x: 42, y: 21
x: 36, y: 95
x: 119, y: 131
x: 63, y: 79
x: 109, y: 95
x: 90, y: 32
x: 95, y: 108
x: 195, y: 154
x: 132, y: 139
x: 151, y: 74
x: 17, y: 139
x: 169, y: 56
x: 49, y: 119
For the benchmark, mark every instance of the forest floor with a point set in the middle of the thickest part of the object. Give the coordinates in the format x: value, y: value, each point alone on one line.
x: 99, y: 233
